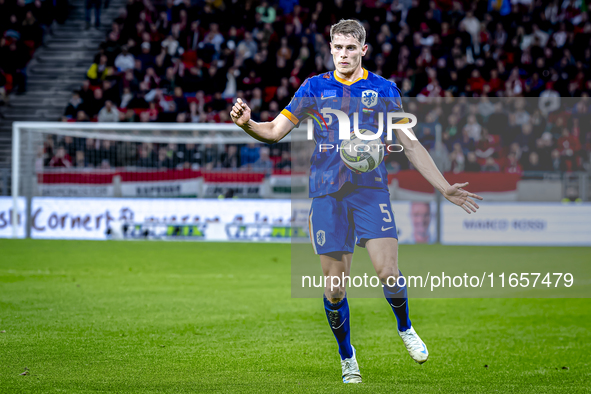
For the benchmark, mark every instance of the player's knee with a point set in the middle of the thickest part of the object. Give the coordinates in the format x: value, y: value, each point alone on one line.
x: 335, y: 294
x: 388, y: 275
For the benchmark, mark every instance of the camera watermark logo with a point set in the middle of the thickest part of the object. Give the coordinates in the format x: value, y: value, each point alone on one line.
x: 402, y: 121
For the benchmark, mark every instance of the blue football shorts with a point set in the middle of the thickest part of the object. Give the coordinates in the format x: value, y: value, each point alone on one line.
x: 350, y: 217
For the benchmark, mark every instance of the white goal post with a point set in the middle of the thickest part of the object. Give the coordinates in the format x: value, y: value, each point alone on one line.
x: 24, y: 134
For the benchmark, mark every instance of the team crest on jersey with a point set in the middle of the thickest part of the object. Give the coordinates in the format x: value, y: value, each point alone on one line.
x: 369, y: 98
x: 320, y: 237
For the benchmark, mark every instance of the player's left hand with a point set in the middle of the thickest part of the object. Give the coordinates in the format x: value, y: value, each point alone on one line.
x: 461, y: 197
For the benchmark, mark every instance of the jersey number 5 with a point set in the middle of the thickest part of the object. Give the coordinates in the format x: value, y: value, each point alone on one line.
x: 384, y: 209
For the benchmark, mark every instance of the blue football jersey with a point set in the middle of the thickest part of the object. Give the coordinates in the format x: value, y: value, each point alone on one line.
x: 370, y: 97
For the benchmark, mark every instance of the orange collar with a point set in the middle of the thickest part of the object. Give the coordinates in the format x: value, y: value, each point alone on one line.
x: 349, y: 83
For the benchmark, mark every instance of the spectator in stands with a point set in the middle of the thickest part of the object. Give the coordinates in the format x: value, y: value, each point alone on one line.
x: 171, y: 45
x: 168, y: 82
x: 538, y: 122
x: 74, y: 105
x: 91, y: 154
x: 556, y: 163
x: 533, y: 163
x: 137, y: 72
x: 180, y: 101
x: 569, y: 148
x: 490, y: 165
x: 520, y: 116
x: 196, y: 112
x: 209, y: 156
x: 111, y: 92
x: 71, y: 146
x: 486, y: 146
x: 525, y: 139
x: 125, y: 60
x: 512, y: 166
x: 175, y: 155
x: 498, y: 124
x: 426, y: 130
x: 181, y: 117
x: 472, y: 163
x: 264, y: 163
x: 80, y: 160
x: 191, y: 156
x: 473, y: 128
x: 96, y: 4
x: 549, y: 99
x: 165, y: 159
x: 285, y: 163
x: 94, y: 106
x: 515, y: 149
x: 145, y: 59
x: 153, y: 111
x: 247, y: 48
x: 138, y: 101
x: 108, y: 113
x: 231, y: 158
x: 81, y: 116
x: 14, y: 57
x: 267, y: 13
x: 166, y: 107
x: 146, y: 158
x: 151, y: 79
x: 61, y: 158
x: 126, y: 97
x: 458, y: 159
x: 129, y: 80
x: 107, y: 154
x: 128, y: 116
x: 476, y: 82
x: 465, y: 141
x: 249, y: 154
x: 544, y: 148
x: 100, y: 70
x: 213, y: 38
x: 86, y: 92
x: 44, y: 13
x: 31, y: 31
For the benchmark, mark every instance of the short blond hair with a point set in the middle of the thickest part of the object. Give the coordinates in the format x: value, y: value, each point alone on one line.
x: 349, y: 27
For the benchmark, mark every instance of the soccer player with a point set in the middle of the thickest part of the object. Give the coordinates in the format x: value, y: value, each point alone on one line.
x: 350, y: 208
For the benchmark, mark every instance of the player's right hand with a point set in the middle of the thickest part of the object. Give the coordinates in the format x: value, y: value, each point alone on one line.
x: 240, y: 113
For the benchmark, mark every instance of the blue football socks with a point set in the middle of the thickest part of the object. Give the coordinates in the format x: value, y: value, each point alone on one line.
x: 338, y: 318
x: 398, y: 299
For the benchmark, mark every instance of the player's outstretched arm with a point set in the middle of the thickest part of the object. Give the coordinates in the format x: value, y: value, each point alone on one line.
x: 267, y: 132
x: 422, y: 161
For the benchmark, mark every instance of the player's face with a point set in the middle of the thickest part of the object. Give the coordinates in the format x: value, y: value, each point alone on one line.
x: 347, y: 53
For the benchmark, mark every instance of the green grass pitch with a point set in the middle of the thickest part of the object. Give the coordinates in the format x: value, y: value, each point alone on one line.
x: 180, y: 317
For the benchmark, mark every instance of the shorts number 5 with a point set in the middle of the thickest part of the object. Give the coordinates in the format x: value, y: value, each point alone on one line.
x: 384, y: 209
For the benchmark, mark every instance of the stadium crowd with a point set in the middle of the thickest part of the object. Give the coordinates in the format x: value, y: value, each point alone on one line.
x: 79, y: 153
x: 186, y: 61
x: 22, y: 27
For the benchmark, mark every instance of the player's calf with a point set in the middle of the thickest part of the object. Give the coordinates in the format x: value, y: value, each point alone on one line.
x: 395, y: 292
x: 338, y: 319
